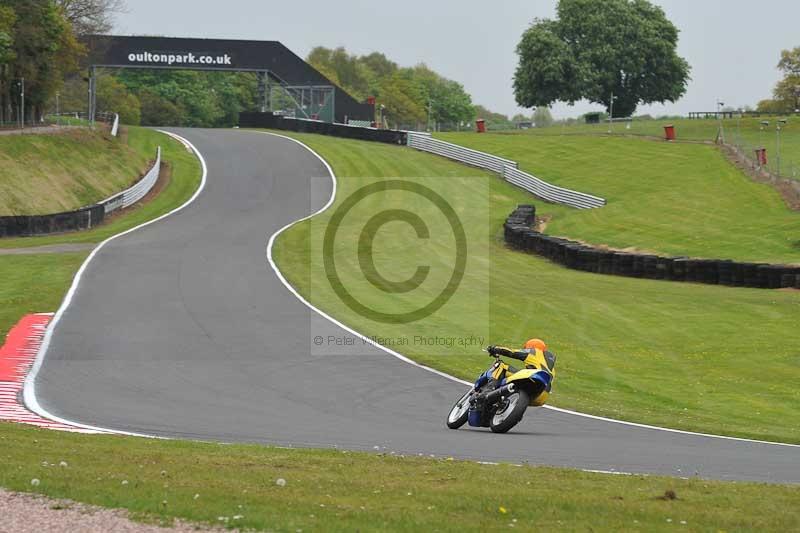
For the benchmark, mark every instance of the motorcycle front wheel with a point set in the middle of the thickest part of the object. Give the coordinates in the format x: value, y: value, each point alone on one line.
x: 460, y: 412
x: 510, y: 412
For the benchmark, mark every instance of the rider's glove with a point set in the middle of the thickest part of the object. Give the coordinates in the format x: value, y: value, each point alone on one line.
x: 491, y: 349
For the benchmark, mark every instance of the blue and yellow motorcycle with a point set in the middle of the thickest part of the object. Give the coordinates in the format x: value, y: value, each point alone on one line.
x: 500, y: 402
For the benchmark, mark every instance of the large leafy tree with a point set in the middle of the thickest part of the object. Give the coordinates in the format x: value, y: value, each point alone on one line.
x: 43, y: 50
x: 594, y: 49
x: 447, y: 100
x: 402, y: 99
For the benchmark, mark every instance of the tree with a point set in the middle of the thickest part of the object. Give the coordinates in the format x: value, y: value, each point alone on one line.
x: 350, y: 73
x: 448, y: 101
x: 7, y: 19
x: 596, y: 48
x: 771, y: 106
x: 787, y: 91
x: 406, y: 93
x: 542, y: 117
x: 113, y: 96
x: 91, y: 16
x: 402, y: 100
x: 44, y: 51
x: 198, y: 99
x: 158, y: 111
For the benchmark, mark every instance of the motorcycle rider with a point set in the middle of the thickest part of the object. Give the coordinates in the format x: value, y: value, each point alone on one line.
x: 528, y: 348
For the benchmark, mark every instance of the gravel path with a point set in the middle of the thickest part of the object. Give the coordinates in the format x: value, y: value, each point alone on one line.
x: 24, y: 513
x: 50, y: 249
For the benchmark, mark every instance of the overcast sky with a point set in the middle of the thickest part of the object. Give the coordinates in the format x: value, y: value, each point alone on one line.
x: 732, y: 45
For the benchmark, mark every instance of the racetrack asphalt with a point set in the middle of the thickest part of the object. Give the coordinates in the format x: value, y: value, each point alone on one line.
x: 182, y: 329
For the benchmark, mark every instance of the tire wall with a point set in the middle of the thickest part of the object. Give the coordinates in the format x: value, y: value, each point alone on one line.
x: 276, y: 122
x: 518, y: 234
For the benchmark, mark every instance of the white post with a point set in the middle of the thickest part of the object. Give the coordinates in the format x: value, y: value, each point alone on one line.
x: 22, y: 95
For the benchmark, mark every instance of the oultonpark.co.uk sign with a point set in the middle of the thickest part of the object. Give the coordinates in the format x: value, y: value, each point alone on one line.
x: 179, y: 59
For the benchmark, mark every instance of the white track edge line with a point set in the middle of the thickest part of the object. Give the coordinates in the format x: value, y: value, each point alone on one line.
x: 439, y: 372
x: 29, y: 389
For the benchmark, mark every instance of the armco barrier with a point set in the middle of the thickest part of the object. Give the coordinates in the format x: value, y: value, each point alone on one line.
x: 518, y: 234
x: 508, y: 169
x: 130, y: 196
x: 549, y: 192
x: 469, y: 156
x: 277, y: 122
x: 84, y: 218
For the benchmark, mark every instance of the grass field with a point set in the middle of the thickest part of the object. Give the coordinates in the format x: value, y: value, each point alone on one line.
x: 184, y: 180
x: 670, y: 354
x: 80, y: 167
x: 332, y: 490
x: 672, y: 199
x: 744, y: 132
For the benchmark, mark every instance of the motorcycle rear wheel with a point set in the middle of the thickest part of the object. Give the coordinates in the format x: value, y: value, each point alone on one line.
x: 460, y: 412
x: 510, y: 412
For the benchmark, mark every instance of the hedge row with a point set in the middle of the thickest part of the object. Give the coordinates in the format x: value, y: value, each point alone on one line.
x: 518, y: 234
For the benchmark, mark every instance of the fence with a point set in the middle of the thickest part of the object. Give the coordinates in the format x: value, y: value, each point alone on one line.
x: 80, y: 219
x: 507, y: 169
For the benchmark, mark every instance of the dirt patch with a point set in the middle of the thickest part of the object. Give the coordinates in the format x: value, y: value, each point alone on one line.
x: 24, y: 513
x: 668, y: 496
x: 541, y: 222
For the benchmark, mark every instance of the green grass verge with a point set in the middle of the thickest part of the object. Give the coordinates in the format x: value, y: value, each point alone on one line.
x: 50, y: 173
x: 33, y: 284
x: 185, y: 178
x: 334, y: 490
x: 671, y: 354
x: 672, y: 199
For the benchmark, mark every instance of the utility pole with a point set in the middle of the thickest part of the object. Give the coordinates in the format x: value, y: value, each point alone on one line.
x: 22, y: 103
x: 430, y: 107
x: 778, y: 145
x: 611, y: 112
x: 720, y: 132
